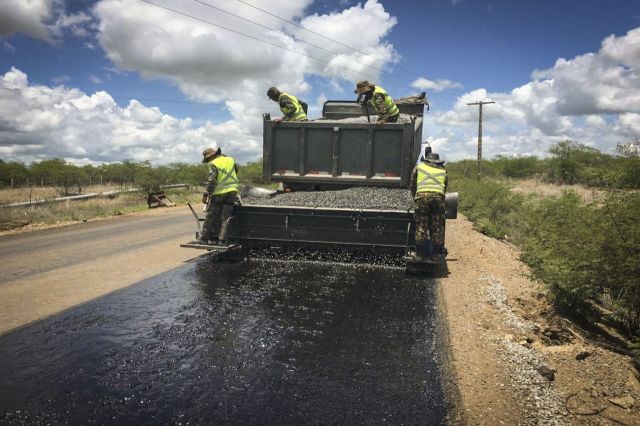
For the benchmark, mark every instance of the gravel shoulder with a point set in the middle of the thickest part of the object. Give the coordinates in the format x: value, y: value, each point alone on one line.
x: 505, y: 339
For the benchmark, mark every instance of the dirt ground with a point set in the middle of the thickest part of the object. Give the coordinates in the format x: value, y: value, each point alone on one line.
x: 505, y: 339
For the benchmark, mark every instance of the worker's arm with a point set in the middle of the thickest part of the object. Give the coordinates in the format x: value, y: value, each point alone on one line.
x: 211, y: 183
x: 446, y: 182
x: 287, y: 107
x: 378, y: 102
x: 413, y: 181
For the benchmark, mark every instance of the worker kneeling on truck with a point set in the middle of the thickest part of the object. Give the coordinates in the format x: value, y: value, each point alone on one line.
x: 292, y: 108
x: 378, y: 98
x: 221, y: 195
x: 428, y: 186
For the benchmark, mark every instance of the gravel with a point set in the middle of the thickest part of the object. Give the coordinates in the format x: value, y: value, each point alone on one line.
x: 403, y: 118
x: 362, y: 198
x: 541, y: 400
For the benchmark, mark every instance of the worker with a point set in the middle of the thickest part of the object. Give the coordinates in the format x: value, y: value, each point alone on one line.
x: 378, y: 98
x: 220, y: 196
x: 428, y: 185
x: 292, y: 108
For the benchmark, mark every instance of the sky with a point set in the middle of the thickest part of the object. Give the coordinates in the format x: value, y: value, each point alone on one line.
x: 95, y: 81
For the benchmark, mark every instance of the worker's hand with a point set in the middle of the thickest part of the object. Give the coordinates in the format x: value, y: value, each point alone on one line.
x: 205, y: 198
x: 277, y: 120
x: 380, y: 122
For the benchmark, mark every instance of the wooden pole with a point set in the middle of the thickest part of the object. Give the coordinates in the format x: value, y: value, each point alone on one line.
x: 480, y: 103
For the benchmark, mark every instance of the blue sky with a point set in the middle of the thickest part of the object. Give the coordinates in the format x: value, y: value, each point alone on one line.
x: 96, y: 81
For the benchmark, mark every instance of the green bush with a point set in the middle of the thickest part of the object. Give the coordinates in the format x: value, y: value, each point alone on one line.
x: 581, y: 252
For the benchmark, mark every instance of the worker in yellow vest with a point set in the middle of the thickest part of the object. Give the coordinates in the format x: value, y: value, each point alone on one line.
x: 376, y: 97
x: 428, y: 186
x: 292, y: 108
x: 221, y: 195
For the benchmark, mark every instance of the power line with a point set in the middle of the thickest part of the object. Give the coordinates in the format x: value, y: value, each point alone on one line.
x: 242, y: 34
x: 288, y: 35
x: 115, y: 96
x: 316, y: 33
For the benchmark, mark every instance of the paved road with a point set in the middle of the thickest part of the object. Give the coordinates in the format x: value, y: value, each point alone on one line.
x: 254, y: 342
x: 47, y: 271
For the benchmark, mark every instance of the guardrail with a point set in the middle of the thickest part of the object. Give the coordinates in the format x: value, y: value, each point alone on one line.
x: 91, y: 195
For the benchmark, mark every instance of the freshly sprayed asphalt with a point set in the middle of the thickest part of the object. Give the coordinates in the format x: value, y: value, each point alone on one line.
x: 251, y: 342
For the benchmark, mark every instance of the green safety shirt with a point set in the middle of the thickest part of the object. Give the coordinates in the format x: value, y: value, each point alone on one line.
x: 390, y: 107
x: 291, y: 108
x: 227, y: 179
x: 430, y: 179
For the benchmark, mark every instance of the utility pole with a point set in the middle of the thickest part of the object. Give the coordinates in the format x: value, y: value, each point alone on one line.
x: 480, y: 103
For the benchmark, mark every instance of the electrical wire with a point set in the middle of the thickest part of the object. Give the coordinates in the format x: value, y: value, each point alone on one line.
x: 244, y: 34
x: 115, y: 96
x: 316, y: 33
x: 288, y: 35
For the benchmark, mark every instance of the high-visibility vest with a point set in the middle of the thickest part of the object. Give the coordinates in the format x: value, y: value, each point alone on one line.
x: 392, y: 109
x: 430, y: 179
x: 227, y: 178
x: 299, y: 115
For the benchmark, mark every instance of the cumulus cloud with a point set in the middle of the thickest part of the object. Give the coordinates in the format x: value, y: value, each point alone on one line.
x: 592, y: 99
x: 42, y: 19
x: 422, y: 83
x: 28, y: 17
x: 39, y: 122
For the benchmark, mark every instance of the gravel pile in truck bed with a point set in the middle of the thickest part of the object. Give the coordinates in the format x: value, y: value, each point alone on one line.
x: 371, y: 198
x: 404, y: 118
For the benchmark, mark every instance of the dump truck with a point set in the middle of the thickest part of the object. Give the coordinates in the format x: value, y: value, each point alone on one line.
x: 344, y: 148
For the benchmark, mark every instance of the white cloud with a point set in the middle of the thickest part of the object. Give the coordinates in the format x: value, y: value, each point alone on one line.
x: 39, y: 122
x: 42, y: 19
x: 592, y: 99
x: 61, y: 79
x: 422, y: 83
x: 28, y: 17
x: 95, y: 79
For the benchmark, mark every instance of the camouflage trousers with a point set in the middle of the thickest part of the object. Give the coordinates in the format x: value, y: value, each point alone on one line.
x: 219, y: 210
x: 430, y: 218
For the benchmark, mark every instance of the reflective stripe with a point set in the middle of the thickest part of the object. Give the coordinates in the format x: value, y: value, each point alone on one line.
x: 391, y: 107
x: 430, y: 179
x: 227, y: 179
x: 299, y: 114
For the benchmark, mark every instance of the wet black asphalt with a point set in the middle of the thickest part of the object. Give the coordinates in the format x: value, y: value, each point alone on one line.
x: 253, y: 342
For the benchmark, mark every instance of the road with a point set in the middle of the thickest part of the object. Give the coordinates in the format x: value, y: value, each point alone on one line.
x: 262, y: 341
x: 45, y: 272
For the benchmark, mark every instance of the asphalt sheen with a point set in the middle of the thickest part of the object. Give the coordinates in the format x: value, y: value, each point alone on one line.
x: 251, y: 342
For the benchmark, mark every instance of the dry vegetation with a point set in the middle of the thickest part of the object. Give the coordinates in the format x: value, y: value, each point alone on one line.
x: 73, y: 211
x: 34, y: 193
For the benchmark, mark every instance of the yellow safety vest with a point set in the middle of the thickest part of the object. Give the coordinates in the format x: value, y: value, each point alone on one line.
x: 227, y: 178
x: 430, y: 179
x: 299, y: 115
x: 392, y: 109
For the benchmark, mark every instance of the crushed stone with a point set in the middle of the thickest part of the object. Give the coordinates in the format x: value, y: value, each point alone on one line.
x: 364, y: 198
x: 403, y: 118
x: 541, y: 400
